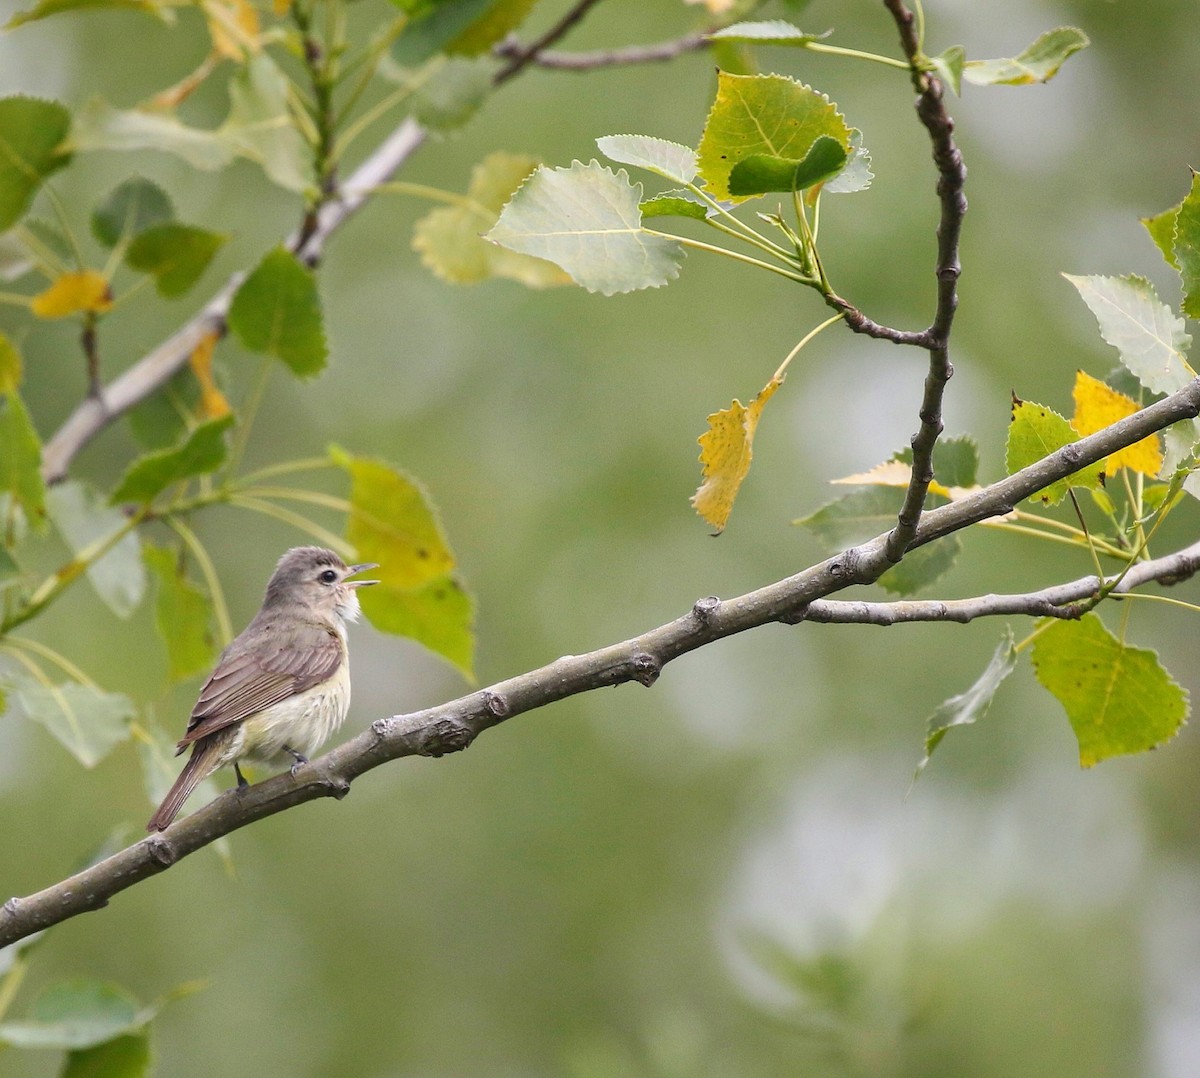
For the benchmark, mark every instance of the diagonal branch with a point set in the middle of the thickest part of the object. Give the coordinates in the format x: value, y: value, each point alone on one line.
x: 588, y: 61
x: 453, y: 726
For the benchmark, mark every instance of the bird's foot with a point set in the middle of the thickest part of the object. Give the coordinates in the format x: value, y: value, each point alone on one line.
x: 299, y: 757
x: 242, y: 782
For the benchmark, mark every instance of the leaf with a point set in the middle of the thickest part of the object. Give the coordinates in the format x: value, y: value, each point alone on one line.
x: 586, y: 219
x: 73, y: 293
x: 10, y: 366
x: 419, y: 595
x: 857, y: 174
x: 161, y: 420
x: 83, y: 520
x: 763, y: 114
x: 726, y: 450
x: 1119, y: 699
x: 453, y: 93
x: 98, y: 126
x: 767, y: 32
x: 969, y: 707
x: 127, y: 1056
x: 1097, y: 407
x: 1039, y: 62
x: 133, y: 205
x: 21, y: 458
x: 77, y: 1014
x: 673, y: 204
x: 260, y: 126
x: 949, y: 67
x: 277, y: 310
x: 855, y: 517
x: 450, y: 239
x: 1144, y: 330
x: 1037, y: 431
x: 956, y: 461
x: 45, y: 8
x: 465, y: 27
x: 31, y: 136
x: 234, y: 28
x: 202, y: 452
x: 922, y: 567
x: 213, y: 404
x: 667, y: 159
x: 183, y: 615
x: 761, y: 173
x: 1187, y: 248
x: 175, y: 255
x: 1162, y: 231
x: 87, y: 721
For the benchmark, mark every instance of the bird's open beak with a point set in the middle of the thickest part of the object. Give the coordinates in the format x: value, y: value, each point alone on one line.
x: 353, y: 569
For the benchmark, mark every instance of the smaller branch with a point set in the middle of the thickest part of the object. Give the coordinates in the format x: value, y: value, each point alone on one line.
x: 510, y: 48
x: 522, y: 57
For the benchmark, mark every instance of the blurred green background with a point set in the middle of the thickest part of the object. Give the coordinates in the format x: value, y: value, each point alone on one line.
x: 722, y: 875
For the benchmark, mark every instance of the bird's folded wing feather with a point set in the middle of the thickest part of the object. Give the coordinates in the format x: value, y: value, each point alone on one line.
x: 248, y: 680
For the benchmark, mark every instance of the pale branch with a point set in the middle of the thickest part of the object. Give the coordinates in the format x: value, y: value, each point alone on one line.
x: 1065, y: 601
x: 453, y: 726
x: 659, y: 52
x: 156, y: 368
x: 522, y: 57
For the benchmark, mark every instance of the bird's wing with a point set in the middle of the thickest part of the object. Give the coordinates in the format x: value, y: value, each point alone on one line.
x: 249, y: 679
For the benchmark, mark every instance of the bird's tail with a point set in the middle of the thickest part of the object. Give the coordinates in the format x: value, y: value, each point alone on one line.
x: 200, y: 765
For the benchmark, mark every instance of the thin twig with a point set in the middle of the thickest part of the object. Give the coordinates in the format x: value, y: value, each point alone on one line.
x: 510, y: 48
x: 521, y: 58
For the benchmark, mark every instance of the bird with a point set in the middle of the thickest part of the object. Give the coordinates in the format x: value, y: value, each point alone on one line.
x: 282, y: 687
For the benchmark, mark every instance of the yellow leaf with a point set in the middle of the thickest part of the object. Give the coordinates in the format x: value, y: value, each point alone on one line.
x: 895, y: 473
x: 1098, y: 406
x: 10, y: 366
x: 71, y: 293
x: 233, y: 27
x: 725, y: 452
x: 213, y: 404
x: 281, y: 7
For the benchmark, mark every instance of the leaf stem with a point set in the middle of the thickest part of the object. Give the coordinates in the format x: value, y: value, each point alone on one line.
x: 296, y: 520
x: 838, y: 50
x: 701, y: 246
x: 803, y: 341
x: 50, y: 655
x: 209, y: 571
x: 434, y: 194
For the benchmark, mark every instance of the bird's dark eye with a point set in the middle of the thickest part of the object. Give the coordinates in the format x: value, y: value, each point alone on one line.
x: 327, y: 577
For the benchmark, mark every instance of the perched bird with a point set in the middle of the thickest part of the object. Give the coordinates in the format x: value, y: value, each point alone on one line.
x: 283, y: 686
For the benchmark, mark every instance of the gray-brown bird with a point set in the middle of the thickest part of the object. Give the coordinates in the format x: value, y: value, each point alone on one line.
x: 283, y: 685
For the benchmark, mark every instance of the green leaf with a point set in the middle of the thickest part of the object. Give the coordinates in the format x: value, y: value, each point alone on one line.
x: 182, y: 614
x: 202, y: 452
x: 1037, y: 431
x: 1145, y: 331
x: 857, y: 174
x: 586, y: 219
x: 260, y: 126
x: 277, y: 310
x: 161, y: 420
x: 99, y: 126
x: 31, y: 148
x: 763, y: 114
x: 922, y: 567
x: 971, y: 706
x: 450, y: 238
x: 760, y: 173
x: 83, y: 519
x: 767, y: 32
x: 77, y: 1014
x: 1187, y: 248
x: 949, y: 67
x: 1162, y: 231
x: 453, y: 92
x: 87, y: 721
x: 419, y: 595
x: 45, y: 8
x: 1037, y: 63
x: 127, y: 1056
x: 855, y: 517
x: 1119, y: 699
x: 667, y: 159
x: 175, y: 255
x: 466, y: 27
x: 10, y: 366
x: 956, y: 461
x: 135, y: 204
x: 673, y: 204
x: 21, y: 458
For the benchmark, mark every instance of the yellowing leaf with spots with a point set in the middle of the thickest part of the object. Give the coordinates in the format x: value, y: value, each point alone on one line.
x: 725, y: 452
x: 1098, y: 406
x: 213, y: 404
x: 85, y: 290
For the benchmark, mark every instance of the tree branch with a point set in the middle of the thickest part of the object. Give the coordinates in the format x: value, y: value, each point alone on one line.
x: 453, y: 726
x: 521, y: 57
x: 511, y: 47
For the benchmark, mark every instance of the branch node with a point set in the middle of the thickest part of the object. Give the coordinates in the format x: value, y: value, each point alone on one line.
x: 160, y: 851
x: 382, y: 728
x: 444, y: 737
x: 496, y: 704
x: 795, y: 615
x: 705, y: 608
x: 12, y: 906
x: 646, y: 668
